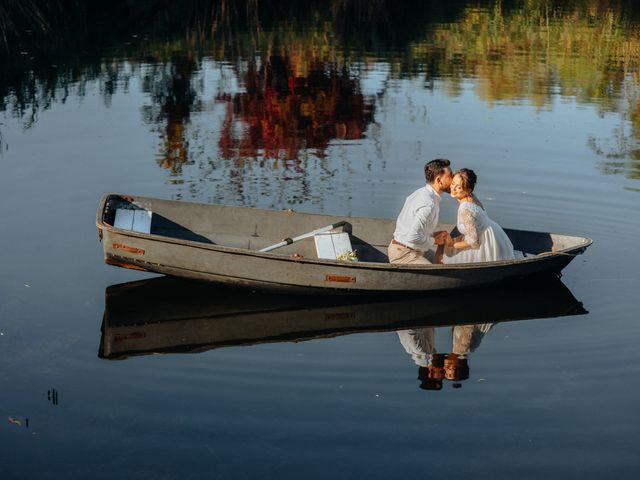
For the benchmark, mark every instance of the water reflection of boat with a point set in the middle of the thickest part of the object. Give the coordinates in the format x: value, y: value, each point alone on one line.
x: 170, y: 315
x: 226, y: 244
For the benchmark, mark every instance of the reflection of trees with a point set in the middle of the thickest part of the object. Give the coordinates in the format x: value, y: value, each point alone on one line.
x: 535, y: 49
x: 21, y: 20
x: 620, y: 149
x: 620, y: 153
x: 173, y: 96
x: 531, y: 51
x: 515, y: 51
x: 289, y: 106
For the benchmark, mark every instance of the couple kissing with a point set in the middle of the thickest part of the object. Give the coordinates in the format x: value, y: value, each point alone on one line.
x: 478, y: 239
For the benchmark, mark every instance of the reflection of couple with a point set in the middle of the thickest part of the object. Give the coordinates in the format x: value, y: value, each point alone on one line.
x: 434, y: 367
x: 480, y: 240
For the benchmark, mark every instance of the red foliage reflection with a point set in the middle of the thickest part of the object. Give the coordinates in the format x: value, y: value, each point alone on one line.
x: 282, y: 112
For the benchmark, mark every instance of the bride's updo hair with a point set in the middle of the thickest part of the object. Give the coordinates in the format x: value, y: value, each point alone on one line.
x: 468, y: 177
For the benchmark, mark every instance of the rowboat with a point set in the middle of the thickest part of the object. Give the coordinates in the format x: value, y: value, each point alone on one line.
x: 243, y: 246
x: 170, y: 315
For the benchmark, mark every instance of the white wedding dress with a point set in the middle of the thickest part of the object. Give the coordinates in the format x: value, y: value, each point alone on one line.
x: 487, y: 239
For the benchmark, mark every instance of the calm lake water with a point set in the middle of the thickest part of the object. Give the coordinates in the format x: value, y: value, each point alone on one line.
x: 330, y: 107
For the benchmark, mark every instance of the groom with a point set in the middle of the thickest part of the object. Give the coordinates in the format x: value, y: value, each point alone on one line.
x: 415, y: 228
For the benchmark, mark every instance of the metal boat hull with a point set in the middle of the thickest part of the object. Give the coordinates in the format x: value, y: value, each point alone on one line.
x: 220, y: 244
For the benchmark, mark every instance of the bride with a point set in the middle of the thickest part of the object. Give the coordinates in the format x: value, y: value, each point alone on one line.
x: 482, y: 239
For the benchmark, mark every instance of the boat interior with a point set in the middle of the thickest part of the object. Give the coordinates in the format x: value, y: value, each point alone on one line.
x: 255, y: 229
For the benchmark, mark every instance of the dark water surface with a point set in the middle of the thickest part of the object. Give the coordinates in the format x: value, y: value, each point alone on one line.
x: 328, y: 107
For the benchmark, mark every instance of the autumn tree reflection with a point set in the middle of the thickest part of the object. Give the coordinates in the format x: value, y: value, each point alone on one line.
x: 290, y: 104
x: 295, y: 61
x: 173, y: 95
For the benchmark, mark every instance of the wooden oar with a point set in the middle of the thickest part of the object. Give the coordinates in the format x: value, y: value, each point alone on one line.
x: 289, y: 241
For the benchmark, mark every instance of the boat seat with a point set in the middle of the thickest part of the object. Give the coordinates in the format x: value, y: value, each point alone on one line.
x: 331, y: 245
x: 137, y: 220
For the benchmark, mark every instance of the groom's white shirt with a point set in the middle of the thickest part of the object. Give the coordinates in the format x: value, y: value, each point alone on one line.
x: 418, y: 219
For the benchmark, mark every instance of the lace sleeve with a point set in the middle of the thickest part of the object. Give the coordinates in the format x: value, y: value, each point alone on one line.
x: 468, y: 220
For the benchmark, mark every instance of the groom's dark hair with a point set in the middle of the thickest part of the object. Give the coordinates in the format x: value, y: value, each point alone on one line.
x: 435, y: 168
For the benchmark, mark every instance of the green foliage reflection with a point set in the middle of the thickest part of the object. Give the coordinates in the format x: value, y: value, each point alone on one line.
x: 513, y: 52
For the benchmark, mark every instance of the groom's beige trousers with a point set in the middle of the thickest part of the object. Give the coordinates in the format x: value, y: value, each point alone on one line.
x: 399, y: 253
